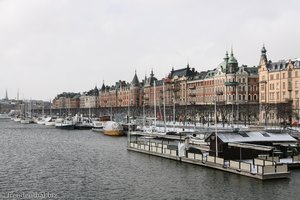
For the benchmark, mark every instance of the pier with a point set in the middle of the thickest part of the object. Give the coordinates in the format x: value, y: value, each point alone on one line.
x: 166, y: 147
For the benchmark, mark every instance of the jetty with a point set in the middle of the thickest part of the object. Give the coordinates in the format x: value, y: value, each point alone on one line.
x: 178, y: 148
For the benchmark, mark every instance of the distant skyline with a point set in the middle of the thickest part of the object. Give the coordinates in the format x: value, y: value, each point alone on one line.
x: 51, y: 46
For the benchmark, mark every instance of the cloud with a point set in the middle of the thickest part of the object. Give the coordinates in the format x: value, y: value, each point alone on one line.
x: 51, y: 46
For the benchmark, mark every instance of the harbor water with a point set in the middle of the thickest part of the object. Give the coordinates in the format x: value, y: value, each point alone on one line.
x: 60, y: 164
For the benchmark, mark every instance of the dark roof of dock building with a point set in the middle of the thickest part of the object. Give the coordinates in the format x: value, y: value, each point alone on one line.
x: 263, y: 136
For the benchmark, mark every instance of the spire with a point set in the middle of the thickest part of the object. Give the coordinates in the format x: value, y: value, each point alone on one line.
x: 152, y: 74
x: 231, y: 54
x: 188, y: 65
x: 103, y: 87
x: 226, y: 56
x: 263, y: 50
x: 135, y: 81
x: 263, y: 56
x: 6, y: 95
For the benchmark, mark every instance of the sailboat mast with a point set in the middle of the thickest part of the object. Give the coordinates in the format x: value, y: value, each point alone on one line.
x: 164, y: 102
x: 154, y: 86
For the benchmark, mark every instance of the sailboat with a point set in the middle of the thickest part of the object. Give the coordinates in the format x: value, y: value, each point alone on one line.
x: 27, y: 119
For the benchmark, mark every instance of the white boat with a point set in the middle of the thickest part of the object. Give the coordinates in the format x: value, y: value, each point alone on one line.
x: 65, y: 124
x: 26, y: 121
x: 51, y: 123
x: 112, y: 128
x: 98, y: 126
x: 42, y: 121
x: 4, y: 117
x: 17, y: 119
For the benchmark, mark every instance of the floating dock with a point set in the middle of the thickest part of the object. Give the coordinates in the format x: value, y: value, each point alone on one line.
x: 259, y: 169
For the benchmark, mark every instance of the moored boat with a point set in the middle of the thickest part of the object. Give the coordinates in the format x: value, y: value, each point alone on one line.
x: 26, y: 121
x: 112, y: 128
x: 4, y: 117
x: 97, y: 126
x: 65, y: 124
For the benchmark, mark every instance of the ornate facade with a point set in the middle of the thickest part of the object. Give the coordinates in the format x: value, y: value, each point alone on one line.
x: 279, y: 88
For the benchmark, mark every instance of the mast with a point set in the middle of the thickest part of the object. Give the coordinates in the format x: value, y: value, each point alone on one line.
x: 164, y: 102
x: 128, y: 113
x: 154, y: 86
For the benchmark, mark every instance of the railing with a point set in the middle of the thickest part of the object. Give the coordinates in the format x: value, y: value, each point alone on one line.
x: 259, y: 166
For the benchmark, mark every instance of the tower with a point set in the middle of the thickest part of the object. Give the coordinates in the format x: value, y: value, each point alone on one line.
x: 232, y: 64
x: 263, y: 57
x: 6, y: 95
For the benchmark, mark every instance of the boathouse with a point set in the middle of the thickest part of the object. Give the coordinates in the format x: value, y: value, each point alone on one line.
x: 240, y: 145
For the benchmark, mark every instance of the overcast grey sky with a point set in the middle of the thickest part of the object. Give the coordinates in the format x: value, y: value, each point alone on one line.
x: 51, y: 46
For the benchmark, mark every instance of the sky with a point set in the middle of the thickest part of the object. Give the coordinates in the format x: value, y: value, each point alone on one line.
x: 51, y: 46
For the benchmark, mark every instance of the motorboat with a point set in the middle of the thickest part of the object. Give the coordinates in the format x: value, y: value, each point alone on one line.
x: 67, y: 124
x: 26, y: 121
x: 97, y: 126
x: 4, y: 116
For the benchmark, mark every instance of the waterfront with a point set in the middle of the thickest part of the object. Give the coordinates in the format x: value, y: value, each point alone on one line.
x: 88, y: 165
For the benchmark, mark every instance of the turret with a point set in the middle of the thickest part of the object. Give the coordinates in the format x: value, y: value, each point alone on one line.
x: 232, y: 64
x: 263, y: 57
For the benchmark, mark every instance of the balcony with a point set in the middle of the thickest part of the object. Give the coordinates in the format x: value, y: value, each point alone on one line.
x: 192, y: 94
x: 192, y: 87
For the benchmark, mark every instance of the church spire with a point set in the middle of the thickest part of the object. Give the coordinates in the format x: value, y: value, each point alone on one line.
x: 6, y: 95
x: 152, y: 74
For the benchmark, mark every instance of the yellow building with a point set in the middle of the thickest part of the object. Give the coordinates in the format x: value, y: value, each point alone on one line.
x: 279, y: 90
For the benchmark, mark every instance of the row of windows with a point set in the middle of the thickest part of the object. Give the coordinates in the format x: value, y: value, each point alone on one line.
x: 283, y: 75
x: 221, y: 98
x: 276, y: 86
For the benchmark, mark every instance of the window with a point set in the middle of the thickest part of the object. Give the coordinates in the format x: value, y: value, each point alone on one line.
x: 290, y: 74
x: 283, y: 75
x: 262, y: 96
x: 277, y: 95
x: 263, y: 78
x: 243, y: 134
x: 277, y: 76
x: 262, y: 87
x: 296, y: 73
x: 277, y: 86
x: 290, y: 85
x: 283, y: 85
x: 296, y: 84
x: 271, y: 76
x: 265, y: 134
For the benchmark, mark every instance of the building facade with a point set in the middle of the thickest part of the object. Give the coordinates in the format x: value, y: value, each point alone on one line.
x: 279, y: 90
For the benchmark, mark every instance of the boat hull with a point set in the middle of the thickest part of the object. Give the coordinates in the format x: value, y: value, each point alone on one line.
x: 99, y: 130
x: 113, y: 132
x: 50, y: 123
x: 65, y: 127
x: 82, y: 127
